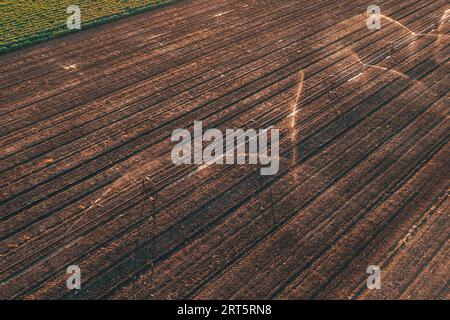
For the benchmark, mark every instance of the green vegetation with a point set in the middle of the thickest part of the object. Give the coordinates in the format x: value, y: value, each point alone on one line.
x: 24, y: 22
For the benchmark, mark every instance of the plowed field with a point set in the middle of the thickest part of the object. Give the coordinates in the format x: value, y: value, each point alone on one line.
x: 86, y: 176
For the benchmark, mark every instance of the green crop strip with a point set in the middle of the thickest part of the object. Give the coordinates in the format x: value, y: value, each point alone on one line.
x: 25, y: 22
